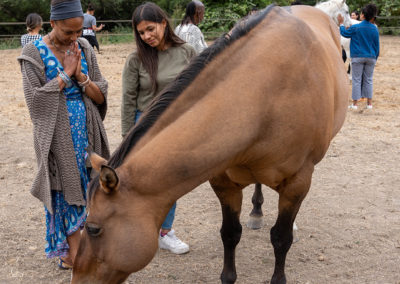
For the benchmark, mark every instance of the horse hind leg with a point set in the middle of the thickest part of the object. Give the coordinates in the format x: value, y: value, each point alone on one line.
x: 291, y: 194
x: 256, y: 216
x: 230, y: 196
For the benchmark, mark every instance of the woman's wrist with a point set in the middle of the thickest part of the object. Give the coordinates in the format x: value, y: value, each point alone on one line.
x: 65, y: 78
x: 81, y: 77
x: 85, y: 83
x: 69, y: 72
x: 61, y: 83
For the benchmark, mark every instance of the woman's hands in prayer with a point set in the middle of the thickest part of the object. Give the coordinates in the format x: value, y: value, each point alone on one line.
x: 71, y: 59
x: 72, y: 62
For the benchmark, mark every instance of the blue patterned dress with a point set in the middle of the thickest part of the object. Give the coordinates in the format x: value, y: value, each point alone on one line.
x: 67, y: 219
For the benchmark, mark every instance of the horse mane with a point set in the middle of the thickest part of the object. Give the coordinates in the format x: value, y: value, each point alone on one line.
x: 326, y: 4
x: 173, y: 90
x: 330, y: 8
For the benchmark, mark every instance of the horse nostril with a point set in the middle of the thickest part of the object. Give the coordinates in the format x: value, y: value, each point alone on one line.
x: 93, y: 230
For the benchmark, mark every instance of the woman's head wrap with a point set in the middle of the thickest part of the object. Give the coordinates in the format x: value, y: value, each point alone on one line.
x: 66, y: 10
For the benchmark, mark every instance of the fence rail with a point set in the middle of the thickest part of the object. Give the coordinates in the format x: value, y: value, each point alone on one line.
x: 393, y: 20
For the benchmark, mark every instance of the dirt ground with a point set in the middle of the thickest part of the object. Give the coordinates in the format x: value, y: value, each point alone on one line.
x: 349, y: 224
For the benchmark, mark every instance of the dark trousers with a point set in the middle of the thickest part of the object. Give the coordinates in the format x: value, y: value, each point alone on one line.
x: 93, y: 41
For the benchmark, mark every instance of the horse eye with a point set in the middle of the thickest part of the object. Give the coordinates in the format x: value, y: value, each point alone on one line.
x: 93, y: 230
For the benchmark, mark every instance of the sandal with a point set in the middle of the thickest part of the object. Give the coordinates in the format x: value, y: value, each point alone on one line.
x: 64, y: 265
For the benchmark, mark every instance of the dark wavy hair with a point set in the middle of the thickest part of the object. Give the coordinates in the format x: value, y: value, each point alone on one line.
x: 148, y: 55
x: 369, y: 11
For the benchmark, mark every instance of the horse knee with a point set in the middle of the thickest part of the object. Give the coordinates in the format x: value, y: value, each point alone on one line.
x: 231, y: 235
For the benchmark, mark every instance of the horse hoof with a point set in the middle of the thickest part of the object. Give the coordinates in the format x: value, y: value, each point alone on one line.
x: 278, y: 280
x: 255, y: 223
x: 295, y: 237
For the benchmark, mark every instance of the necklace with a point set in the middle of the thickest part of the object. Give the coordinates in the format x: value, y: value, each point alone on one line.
x: 56, y: 47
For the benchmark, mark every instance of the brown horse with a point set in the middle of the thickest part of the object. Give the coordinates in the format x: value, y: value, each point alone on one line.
x: 249, y: 109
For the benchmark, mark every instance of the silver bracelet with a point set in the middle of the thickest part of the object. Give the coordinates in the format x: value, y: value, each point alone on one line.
x: 84, y: 87
x: 85, y: 83
x: 66, y: 79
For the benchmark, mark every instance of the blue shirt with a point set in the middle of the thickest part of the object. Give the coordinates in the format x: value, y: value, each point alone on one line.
x: 364, y: 39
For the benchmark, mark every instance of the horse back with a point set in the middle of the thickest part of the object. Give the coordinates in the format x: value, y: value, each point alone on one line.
x: 287, y: 77
x: 291, y: 90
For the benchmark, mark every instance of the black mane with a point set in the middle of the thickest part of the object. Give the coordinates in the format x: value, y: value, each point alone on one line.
x: 168, y: 95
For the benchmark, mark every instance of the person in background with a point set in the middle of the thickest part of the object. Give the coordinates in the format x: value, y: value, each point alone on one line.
x: 188, y: 30
x: 33, y: 25
x: 90, y: 27
x: 364, y: 52
x: 159, y: 57
x: 355, y: 15
x: 66, y: 98
x: 253, y: 11
x: 296, y: 2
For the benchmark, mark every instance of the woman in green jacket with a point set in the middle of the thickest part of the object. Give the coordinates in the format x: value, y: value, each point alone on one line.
x: 160, y: 56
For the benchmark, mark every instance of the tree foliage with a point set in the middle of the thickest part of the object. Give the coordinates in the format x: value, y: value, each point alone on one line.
x: 220, y: 15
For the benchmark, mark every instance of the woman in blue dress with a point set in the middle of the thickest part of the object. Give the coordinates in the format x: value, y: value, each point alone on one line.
x: 66, y: 96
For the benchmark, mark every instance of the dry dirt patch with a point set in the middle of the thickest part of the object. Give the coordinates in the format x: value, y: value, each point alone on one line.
x: 349, y: 222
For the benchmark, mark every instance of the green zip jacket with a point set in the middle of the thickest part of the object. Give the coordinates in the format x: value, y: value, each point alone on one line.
x: 136, y: 84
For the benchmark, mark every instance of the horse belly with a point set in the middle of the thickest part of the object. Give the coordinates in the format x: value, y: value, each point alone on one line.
x: 241, y: 175
x: 345, y: 42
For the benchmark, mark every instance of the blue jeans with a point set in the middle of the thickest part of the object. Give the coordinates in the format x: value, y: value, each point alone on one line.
x: 362, y: 72
x: 171, y: 214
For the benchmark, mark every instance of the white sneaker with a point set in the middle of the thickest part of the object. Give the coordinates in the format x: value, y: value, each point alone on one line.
x: 353, y: 107
x: 369, y: 106
x: 172, y: 243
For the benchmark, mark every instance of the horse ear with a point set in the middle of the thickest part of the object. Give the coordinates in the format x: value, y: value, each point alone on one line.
x: 96, y: 161
x: 109, y: 180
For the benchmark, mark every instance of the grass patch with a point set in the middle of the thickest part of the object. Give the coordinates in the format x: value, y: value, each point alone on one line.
x: 117, y: 35
x: 10, y: 43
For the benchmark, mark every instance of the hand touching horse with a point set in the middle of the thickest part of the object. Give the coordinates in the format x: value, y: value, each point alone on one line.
x: 248, y: 109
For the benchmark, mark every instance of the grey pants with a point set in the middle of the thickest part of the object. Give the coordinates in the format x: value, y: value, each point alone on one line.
x: 362, y: 73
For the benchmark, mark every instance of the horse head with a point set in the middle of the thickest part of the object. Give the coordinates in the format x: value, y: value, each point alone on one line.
x: 334, y: 8
x: 117, y: 233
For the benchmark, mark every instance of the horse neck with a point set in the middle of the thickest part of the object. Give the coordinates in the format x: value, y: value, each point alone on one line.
x: 330, y: 9
x: 180, y: 151
x: 175, y: 159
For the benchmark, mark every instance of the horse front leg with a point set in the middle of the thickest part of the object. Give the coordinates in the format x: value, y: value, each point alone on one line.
x: 256, y: 216
x: 230, y: 196
x: 256, y: 221
x: 291, y: 191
